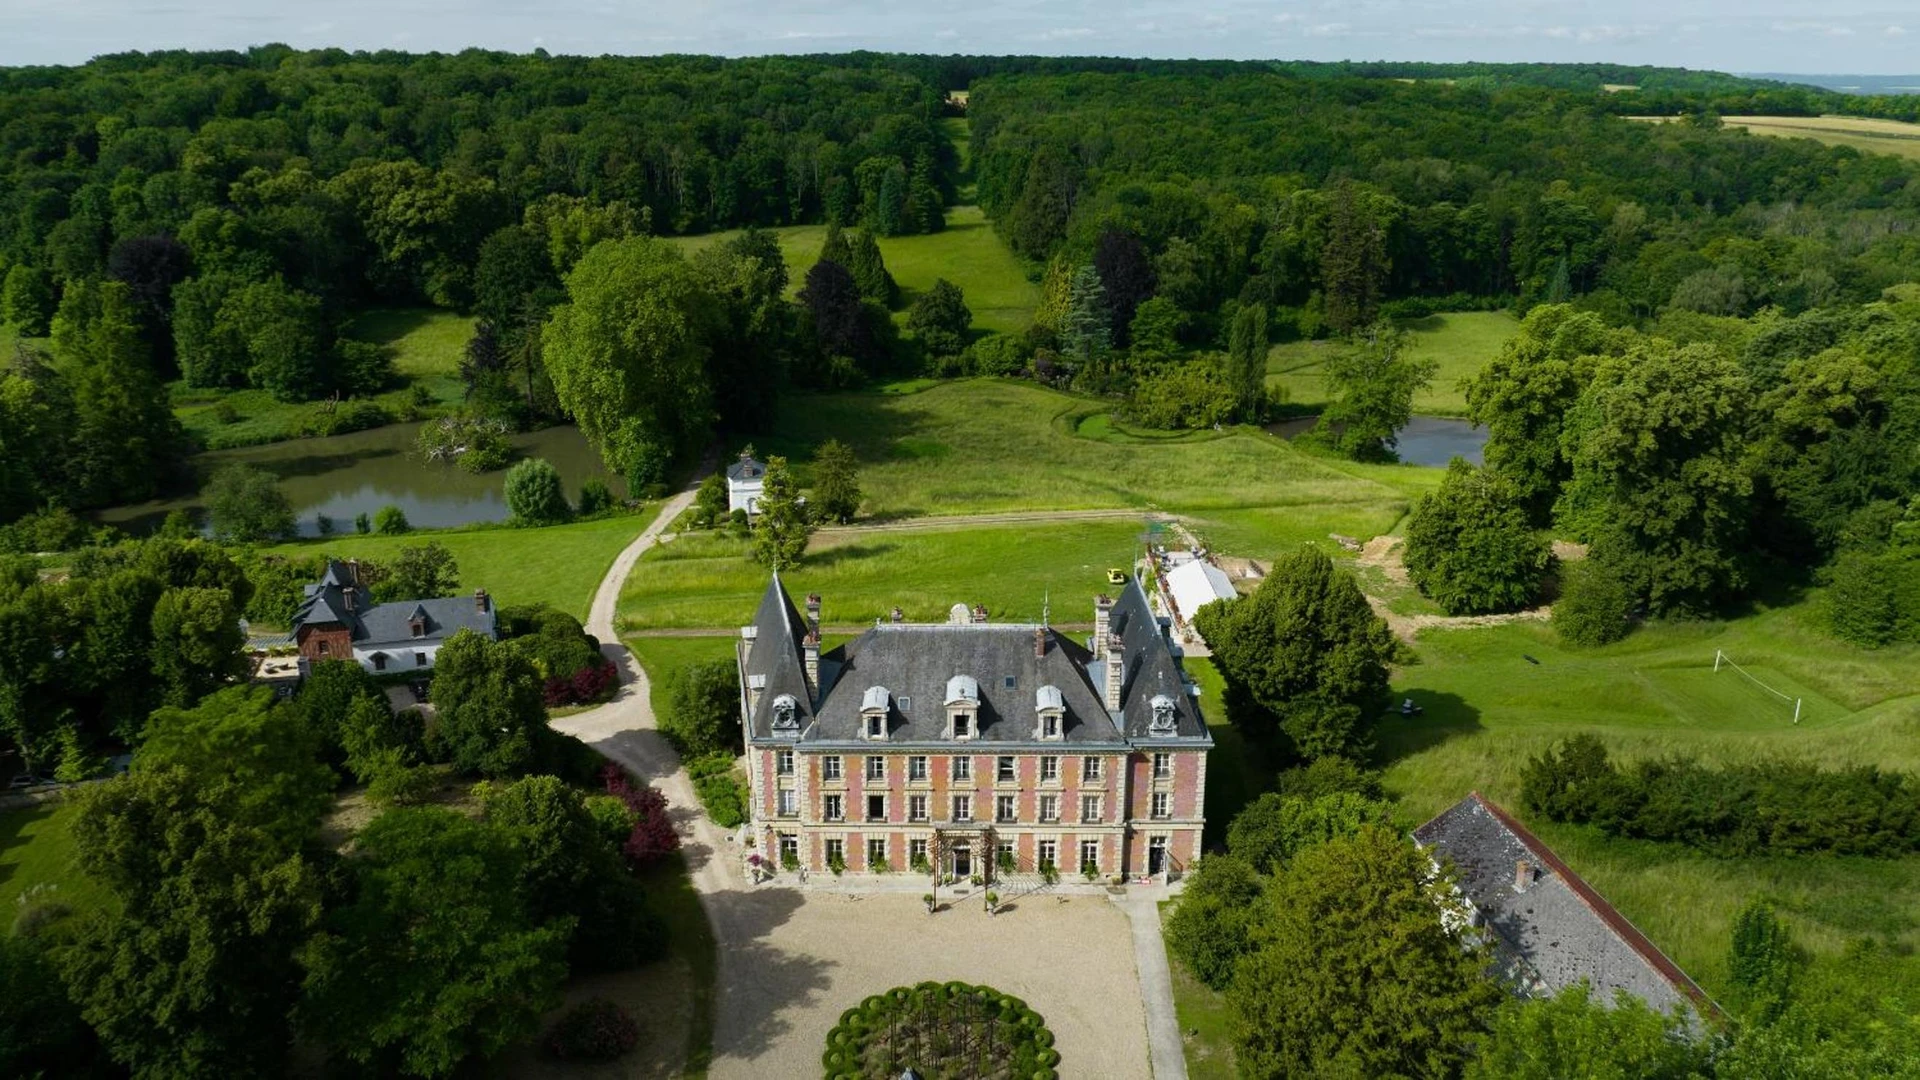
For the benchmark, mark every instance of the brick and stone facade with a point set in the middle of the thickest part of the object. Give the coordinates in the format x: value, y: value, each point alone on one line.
x: 953, y: 747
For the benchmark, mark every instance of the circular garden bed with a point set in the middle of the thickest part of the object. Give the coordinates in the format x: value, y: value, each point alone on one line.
x: 942, y: 1031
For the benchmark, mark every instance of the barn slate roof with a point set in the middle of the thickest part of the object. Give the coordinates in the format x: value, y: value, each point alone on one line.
x: 326, y: 603
x: 1556, y: 930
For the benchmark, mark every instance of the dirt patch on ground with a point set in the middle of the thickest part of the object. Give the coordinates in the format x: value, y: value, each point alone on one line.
x: 1384, y: 554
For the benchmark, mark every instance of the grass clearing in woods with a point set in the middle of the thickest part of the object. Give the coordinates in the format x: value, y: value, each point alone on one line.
x: 1462, y: 342
x: 426, y: 343
x: 37, y: 849
x: 967, y: 252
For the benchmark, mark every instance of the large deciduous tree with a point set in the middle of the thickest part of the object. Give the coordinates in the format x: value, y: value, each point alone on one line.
x: 747, y: 276
x: 489, y: 716
x: 1372, y: 386
x: 196, y: 643
x: 1470, y: 547
x: 939, y: 318
x: 1304, y: 651
x: 1127, y: 273
x: 1541, y: 1038
x: 1659, y: 484
x: 1353, y: 264
x: 1523, y: 395
x: 245, y: 504
x: 703, y: 709
x: 191, y: 972
x: 435, y: 960
x: 628, y: 355
x: 1355, y: 973
x: 256, y: 758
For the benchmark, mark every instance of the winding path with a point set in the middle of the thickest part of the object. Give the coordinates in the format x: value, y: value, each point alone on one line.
x: 753, y: 980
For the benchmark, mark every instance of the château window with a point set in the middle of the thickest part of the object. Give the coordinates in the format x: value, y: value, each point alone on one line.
x: 917, y: 767
x: 1049, y: 769
x: 1003, y: 808
x: 963, y: 768
x: 836, y: 851
x: 917, y: 851
x: 789, y: 803
x: 1089, y: 809
x: 1050, y: 726
x: 419, y: 659
x: 1004, y: 772
x: 1162, y: 804
x: 876, y: 852
x: 1162, y: 765
x: 1089, y: 856
x: 1089, y: 768
x: 876, y: 726
x: 963, y: 808
x: 1049, y: 853
x: 876, y: 768
x: 917, y: 808
x: 829, y: 767
x: 876, y: 808
x: 1049, y: 808
x: 962, y: 726
x: 834, y: 808
x: 783, y: 762
x: 789, y: 847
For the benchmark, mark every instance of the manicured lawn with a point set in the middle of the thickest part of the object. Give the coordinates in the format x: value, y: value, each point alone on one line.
x: 663, y: 657
x: 706, y: 579
x: 1206, y: 1033
x: 967, y: 252
x: 37, y: 848
x: 560, y: 565
x: 427, y: 344
x: 1488, y: 710
x: 988, y: 445
x: 1462, y: 342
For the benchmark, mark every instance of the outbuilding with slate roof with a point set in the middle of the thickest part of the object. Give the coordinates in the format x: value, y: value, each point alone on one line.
x: 337, y: 621
x: 970, y: 747
x: 1550, y: 929
x: 746, y: 480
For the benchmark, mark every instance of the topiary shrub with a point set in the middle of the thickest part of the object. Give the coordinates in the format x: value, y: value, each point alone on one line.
x: 1595, y: 605
x: 534, y: 496
x: 594, y: 1030
x: 950, y: 1029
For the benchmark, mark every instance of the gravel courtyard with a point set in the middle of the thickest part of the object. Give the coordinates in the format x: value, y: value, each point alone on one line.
x: 792, y: 961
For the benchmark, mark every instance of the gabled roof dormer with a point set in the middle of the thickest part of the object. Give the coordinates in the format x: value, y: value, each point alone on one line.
x: 875, y: 706
x: 1050, y: 712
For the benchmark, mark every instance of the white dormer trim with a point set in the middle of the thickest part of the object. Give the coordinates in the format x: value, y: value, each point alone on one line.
x: 875, y: 705
x: 963, y: 707
x: 786, y: 715
x: 1050, y: 709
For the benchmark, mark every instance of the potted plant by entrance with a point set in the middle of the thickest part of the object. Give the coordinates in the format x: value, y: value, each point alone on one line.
x: 837, y: 863
x: 993, y: 902
x: 789, y: 861
x: 1049, y: 873
x: 921, y: 865
x: 1004, y: 862
x: 1089, y: 871
x: 927, y: 899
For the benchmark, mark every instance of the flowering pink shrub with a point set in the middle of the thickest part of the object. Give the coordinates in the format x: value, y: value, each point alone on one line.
x: 653, y: 837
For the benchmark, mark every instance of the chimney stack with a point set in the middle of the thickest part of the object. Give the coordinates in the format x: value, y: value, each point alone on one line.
x: 353, y: 571
x: 1523, y: 875
x: 482, y: 603
x: 979, y: 613
x: 810, y: 652
x: 346, y: 596
x: 1102, y: 609
x: 1116, y: 654
x: 813, y: 612
x: 1039, y: 643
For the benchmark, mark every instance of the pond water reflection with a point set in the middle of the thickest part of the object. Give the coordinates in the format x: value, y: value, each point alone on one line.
x: 344, y: 475
x: 1426, y: 440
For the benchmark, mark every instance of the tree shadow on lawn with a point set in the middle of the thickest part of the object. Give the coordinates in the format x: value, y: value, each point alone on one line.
x: 848, y: 553
x: 1443, y: 717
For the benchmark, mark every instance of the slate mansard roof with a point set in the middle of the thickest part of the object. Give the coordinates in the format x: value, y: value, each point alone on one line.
x: 1556, y: 930
x: 327, y: 603
x: 919, y: 665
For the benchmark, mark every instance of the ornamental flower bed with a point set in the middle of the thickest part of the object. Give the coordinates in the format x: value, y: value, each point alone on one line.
x: 943, y: 1031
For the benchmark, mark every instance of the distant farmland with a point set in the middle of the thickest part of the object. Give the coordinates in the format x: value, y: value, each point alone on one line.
x: 1874, y: 136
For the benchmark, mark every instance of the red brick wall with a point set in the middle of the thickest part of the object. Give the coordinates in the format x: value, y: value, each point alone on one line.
x: 339, y: 643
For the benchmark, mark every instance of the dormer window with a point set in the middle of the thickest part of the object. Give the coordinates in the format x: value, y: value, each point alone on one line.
x: 1050, y: 707
x: 1165, y: 719
x: 963, y: 707
x: 786, y: 715
x: 873, y: 711
x: 418, y: 626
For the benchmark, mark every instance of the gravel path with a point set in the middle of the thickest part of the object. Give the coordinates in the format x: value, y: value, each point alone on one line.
x: 792, y: 960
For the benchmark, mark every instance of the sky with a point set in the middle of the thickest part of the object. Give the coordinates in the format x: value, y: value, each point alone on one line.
x: 1850, y: 36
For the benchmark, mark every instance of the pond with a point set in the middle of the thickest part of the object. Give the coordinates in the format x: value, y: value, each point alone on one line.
x: 344, y: 475
x: 1426, y: 440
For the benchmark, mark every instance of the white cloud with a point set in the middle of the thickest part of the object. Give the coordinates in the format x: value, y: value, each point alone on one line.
x: 1332, y: 29
x: 1066, y: 33
x: 1894, y: 31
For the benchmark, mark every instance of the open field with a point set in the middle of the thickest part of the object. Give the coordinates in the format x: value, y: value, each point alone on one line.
x: 559, y: 565
x: 984, y: 446
x: 1860, y: 132
x: 1488, y: 710
x: 707, y: 580
x: 1461, y: 341
x: 36, y: 848
x: 967, y: 252
x: 427, y: 344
